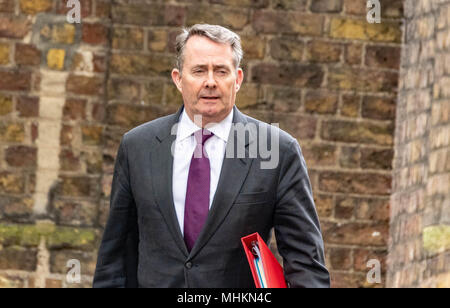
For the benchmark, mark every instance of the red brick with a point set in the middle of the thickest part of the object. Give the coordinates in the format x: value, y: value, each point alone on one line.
x: 69, y: 161
x: 345, y: 208
x: 58, y: 258
x: 298, y: 75
x: 130, y: 116
x: 324, y: 205
x: 84, y: 85
x: 76, y: 186
x: 357, y: 79
x: 300, y: 127
x: 27, y: 54
x: 91, y: 134
x: 21, y: 156
x: 74, y: 109
x: 347, y: 280
x: 359, y: 132
x: 377, y: 159
x: 380, y: 108
x: 153, y: 65
x: 139, y: 14
x: 383, y: 56
x: 102, y: 8
x: 95, y: 34
x: 85, y: 6
x: 376, y: 209
x: 98, y: 112
x: 28, y: 106
x: 174, y: 15
x: 389, y: 8
x: 15, y: 80
x: 295, y: 5
x: 352, y: 233
x: 326, y: 6
x: 257, y: 4
x: 362, y: 256
x: 67, y: 135
x: 350, y: 157
x: 232, y: 18
x: 319, y: 154
x: 99, y: 63
x: 358, y: 183
x: 282, y: 48
x: 53, y: 283
x: 17, y: 208
x: 340, y: 258
x: 34, y: 132
x: 323, y: 52
x: 94, y: 161
x: 14, y: 27
x: 128, y: 38
x: 287, y: 22
x: 18, y: 258
x: 353, y: 54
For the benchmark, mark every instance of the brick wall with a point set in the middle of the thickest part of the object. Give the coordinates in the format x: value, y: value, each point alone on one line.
x: 69, y: 91
x: 52, y: 96
x: 419, y: 250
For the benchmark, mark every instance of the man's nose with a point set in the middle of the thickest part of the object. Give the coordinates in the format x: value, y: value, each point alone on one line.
x: 210, y: 81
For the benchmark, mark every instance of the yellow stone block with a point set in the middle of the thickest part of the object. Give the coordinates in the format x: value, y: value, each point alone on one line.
x: 4, y: 54
x: 6, y: 105
x: 362, y: 30
x: 158, y: 42
x: 55, y: 58
x: 436, y: 239
x: 254, y: 47
x: 63, y: 33
x: 35, y: 6
x: 247, y: 96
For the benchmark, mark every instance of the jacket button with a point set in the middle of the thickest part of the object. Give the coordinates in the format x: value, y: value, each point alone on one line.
x: 188, y: 265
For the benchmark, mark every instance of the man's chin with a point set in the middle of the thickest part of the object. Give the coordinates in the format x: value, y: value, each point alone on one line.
x: 209, y: 109
x: 212, y: 112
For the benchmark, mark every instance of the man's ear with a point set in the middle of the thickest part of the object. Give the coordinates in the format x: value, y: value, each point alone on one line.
x: 239, y: 79
x: 176, y: 77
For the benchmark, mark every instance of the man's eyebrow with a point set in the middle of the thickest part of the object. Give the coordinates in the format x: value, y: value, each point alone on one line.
x: 206, y: 66
x: 221, y: 66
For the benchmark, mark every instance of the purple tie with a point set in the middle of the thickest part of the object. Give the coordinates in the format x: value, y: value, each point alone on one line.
x: 197, y: 193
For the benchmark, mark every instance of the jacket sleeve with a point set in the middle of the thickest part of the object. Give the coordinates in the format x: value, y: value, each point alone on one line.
x: 297, y: 228
x: 118, y: 253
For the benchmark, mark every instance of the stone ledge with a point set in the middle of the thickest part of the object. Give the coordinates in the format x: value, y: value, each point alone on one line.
x: 56, y: 236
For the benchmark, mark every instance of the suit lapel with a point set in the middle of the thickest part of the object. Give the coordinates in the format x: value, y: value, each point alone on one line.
x: 162, y: 166
x: 233, y: 174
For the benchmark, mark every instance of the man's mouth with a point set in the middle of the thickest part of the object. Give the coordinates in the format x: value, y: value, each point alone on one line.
x: 209, y: 97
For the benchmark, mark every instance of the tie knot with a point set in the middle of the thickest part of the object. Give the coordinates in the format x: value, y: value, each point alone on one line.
x: 202, y: 135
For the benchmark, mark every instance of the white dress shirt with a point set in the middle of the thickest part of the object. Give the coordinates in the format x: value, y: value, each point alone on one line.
x: 184, y: 149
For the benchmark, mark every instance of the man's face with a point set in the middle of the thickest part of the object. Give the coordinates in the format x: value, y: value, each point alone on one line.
x: 209, y: 80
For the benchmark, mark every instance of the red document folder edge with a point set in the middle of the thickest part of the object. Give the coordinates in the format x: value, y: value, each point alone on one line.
x: 272, y: 269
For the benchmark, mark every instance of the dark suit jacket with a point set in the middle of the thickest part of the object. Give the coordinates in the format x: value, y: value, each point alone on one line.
x: 143, y: 246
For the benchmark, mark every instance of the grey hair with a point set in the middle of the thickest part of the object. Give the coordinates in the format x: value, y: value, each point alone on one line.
x: 215, y: 33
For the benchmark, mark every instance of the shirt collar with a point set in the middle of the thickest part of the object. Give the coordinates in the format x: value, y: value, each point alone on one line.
x: 186, y: 127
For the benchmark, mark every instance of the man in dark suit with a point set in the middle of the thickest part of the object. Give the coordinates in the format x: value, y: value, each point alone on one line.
x: 188, y: 186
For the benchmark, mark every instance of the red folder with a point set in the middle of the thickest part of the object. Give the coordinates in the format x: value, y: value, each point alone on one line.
x: 273, y: 271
